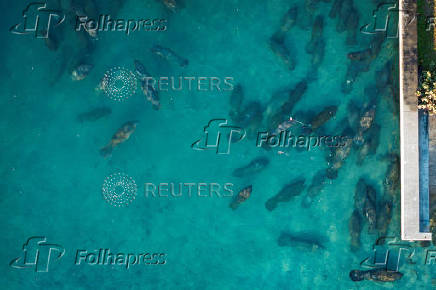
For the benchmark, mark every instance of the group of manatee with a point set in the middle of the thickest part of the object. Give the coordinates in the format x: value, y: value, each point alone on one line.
x: 371, y: 208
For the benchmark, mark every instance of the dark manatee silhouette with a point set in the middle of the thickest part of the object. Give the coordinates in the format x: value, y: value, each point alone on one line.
x: 337, y: 155
x: 365, y: 202
x: 370, y: 208
x: 236, y: 99
x: 360, y: 61
x: 384, y: 216
x: 288, y: 192
x: 392, y: 179
x: 120, y: 136
x: 94, y: 114
x: 355, y: 228
x: 318, y: 183
x: 242, y: 196
x: 378, y: 275
x: 322, y: 117
x: 169, y: 55
x: 305, y: 241
x: 279, y: 109
x: 371, y: 141
x: 255, y: 166
x: 279, y: 48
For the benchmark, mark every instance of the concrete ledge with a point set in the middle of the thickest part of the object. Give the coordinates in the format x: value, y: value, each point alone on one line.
x: 409, y: 126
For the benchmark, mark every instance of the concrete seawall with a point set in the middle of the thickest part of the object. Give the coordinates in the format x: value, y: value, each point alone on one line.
x: 409, y: 126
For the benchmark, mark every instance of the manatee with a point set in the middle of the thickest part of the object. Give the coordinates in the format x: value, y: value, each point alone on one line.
x: 250, y: 118
x: 355, y: 227
x: 371, y: 142
x: 351, y: 24
x: 169, y: 55
x: 278, y: 112
x: 236, y: 100
x: 392, y: 180
x: 337, y: 155
x: 279, y: 48
x: 361, y: 55
x: 360, y: 195
x: 321, y: 118
x: 384, y: 216
x: 55, y: 37
x: 171, y: 5
x: 81, y: 72
x: 378, y: 275
x: 289, y: 191
x: 317, y: 31
x: 288, y: 21
x: 369, y: 208
x: 367, y: 119
x: 355, y: 68
x: 384, y: 76
x: 336, y: 8
x: 94, y: 114
x: 242, y: 196
x: 252, y: 168
x: 151, y: 94
x: 305, y: 241
x: 361, y: 62
x: 365, y: 203
x: 121, y: 135
x: 140, y: 70
x: 344, y: 11
x: 314, y: 189
x: 353, y: 113
x: 376, y: 44
x: 317, y: 57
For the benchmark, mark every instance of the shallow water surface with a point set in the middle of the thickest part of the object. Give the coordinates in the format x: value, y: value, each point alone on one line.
x: 318, y: 203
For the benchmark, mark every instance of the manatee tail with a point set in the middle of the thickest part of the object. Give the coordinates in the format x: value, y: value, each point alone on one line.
x: 106, y: 150
x: 234, y: 205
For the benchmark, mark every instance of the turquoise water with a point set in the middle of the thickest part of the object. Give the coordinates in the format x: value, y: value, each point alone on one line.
x: 52, y: 172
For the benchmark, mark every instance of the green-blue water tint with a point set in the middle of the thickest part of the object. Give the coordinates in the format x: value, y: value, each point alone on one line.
x: 52, y: 171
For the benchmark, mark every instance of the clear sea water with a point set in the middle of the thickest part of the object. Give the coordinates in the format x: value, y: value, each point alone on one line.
x: 52, y: 172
